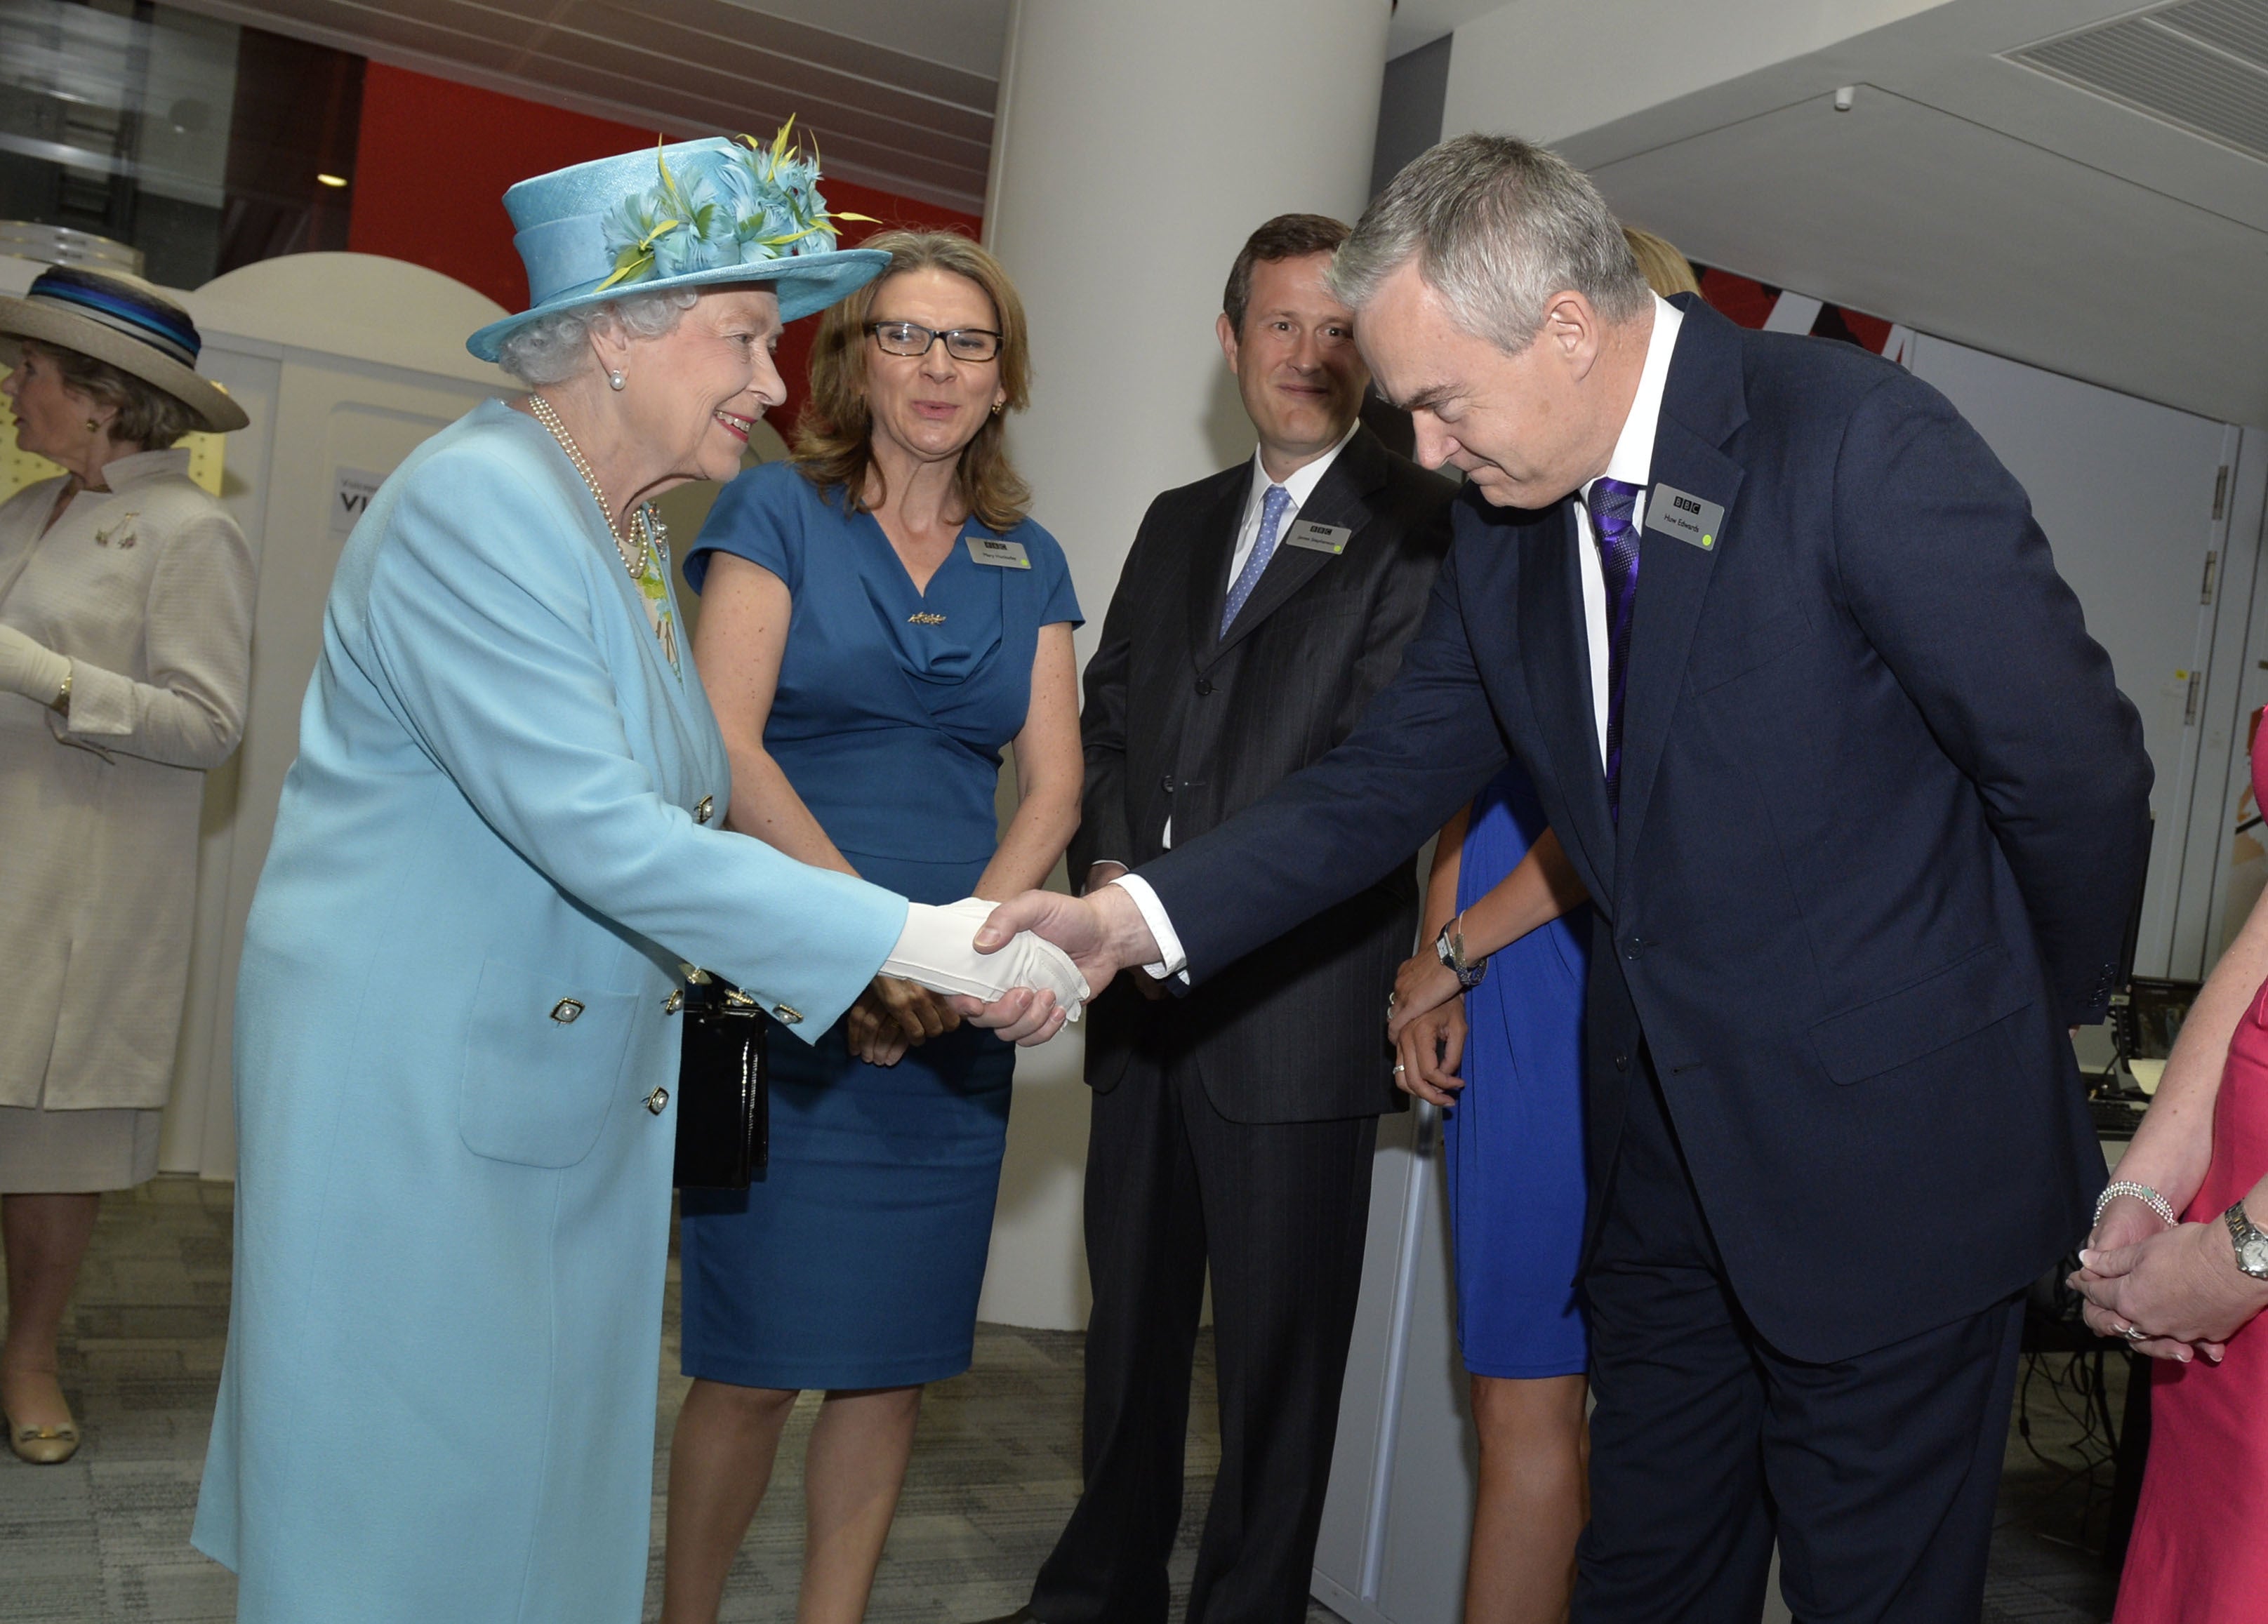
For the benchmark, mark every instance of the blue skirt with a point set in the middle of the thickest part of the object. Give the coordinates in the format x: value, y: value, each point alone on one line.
x: 857, y: 1259
x: 1514, y: 1142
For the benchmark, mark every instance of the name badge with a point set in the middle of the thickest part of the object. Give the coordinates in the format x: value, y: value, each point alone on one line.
x: 1689, y: 518
x: 1001, y: 554
x: 1316, y: 538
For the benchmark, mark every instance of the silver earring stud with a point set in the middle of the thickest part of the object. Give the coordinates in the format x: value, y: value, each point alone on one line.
x: 615, y: 380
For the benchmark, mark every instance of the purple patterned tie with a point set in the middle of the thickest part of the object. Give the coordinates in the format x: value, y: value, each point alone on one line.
x: 1613, y: 508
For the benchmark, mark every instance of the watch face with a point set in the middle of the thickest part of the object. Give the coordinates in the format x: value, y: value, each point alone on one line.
x: 2252, y: 1257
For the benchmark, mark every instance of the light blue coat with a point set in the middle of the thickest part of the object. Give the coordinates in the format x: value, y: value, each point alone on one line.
x: 452, y: 1206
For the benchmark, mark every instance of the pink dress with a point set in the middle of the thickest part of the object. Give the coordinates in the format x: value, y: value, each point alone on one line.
x: 2201, y: 1549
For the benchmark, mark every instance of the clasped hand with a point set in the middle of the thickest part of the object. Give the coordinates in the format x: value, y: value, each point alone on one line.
x: 1426, y: 1019
x: 894, y: 1015
x: 2180, y: 1287
x: 1103, y: 934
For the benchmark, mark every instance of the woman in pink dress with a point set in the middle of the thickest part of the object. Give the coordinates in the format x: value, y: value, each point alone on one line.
x: 2186, y: 1294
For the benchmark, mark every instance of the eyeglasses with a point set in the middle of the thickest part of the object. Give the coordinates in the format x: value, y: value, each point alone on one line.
x: 911, y: 338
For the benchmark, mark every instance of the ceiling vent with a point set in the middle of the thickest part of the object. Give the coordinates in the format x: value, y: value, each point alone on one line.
x: 2201, y: 64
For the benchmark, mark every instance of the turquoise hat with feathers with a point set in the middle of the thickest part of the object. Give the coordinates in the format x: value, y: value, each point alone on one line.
x: 678, y: 216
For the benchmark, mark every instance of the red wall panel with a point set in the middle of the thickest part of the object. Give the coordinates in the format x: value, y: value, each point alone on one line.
x: 433, y: 163
x: 435, y: 158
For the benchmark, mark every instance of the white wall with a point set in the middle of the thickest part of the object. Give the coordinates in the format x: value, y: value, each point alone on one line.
x: 1546, y: 70
x: 1136, y: 148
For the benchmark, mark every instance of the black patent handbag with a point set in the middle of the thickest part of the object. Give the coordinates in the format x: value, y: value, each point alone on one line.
x: 724, y: 1102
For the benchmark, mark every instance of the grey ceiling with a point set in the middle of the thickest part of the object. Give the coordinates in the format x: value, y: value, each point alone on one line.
x: 898, y: 92
x: 2202, y: 65
x: 2115, y: 230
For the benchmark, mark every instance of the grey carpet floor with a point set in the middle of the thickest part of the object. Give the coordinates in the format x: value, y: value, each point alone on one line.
x: 994, y: 1468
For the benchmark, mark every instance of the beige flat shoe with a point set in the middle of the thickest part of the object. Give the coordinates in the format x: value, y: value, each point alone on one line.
x: 44, y: 1446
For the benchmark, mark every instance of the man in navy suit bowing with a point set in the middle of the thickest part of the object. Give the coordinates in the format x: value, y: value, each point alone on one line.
x: 1822, y: 732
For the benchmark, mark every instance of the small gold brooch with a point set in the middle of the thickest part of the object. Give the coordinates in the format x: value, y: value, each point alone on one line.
x: 925, y: 619
x: 122, y: 532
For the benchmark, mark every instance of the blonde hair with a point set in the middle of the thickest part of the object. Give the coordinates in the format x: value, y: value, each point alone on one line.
x: 834, y: 433
x: 1665, y: 270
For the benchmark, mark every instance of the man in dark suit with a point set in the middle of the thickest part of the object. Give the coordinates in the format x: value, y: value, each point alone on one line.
x: 1258, y: 612
x: 1862, y: 813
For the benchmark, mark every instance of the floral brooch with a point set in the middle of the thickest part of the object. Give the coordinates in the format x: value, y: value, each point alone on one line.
x: 740, y: 207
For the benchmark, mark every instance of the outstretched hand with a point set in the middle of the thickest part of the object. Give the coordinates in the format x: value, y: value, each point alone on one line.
x: 1103, y: 934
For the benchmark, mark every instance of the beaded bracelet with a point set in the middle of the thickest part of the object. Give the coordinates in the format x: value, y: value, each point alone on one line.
x: 2142, y: 1193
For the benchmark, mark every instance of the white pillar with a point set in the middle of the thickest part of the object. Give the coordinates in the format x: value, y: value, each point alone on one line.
x: 1137, y: 146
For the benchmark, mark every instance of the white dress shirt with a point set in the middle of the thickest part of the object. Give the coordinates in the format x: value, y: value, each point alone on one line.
x: 1632, y: 462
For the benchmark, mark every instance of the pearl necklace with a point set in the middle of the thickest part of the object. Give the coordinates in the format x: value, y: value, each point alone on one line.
x: 633, y: 557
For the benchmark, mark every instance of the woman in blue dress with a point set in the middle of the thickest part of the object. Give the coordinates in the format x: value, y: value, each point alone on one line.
x: 1504, y: 1062
x: 879, y: 618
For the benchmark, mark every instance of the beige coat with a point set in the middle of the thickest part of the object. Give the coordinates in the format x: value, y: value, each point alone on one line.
x: 148, y: 588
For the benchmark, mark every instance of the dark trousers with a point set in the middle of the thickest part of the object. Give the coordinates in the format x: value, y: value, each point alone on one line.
x: 1876, y: 1474
x: 1279, y: 1210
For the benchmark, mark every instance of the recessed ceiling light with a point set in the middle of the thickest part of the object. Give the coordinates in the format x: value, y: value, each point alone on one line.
x: 332, y: 180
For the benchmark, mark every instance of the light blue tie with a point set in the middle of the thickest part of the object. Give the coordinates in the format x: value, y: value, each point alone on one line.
x: 1273, y: 508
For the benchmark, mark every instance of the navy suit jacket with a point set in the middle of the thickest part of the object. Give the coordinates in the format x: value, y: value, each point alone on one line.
x: 1883, y: 815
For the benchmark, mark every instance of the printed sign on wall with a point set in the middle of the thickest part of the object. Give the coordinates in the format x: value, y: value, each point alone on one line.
x: 351, y: 489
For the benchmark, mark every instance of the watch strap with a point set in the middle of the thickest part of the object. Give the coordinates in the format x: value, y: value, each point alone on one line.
x: 1450, y: 947
x: 2250, y: 1241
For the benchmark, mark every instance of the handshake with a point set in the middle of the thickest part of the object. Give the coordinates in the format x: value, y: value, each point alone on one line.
x: 1026, y: 967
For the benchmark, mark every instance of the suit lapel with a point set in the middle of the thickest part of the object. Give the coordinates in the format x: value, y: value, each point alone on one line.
x: 1341, y: 498
x: 1557, y: 660
x: 1214, y: 549
x: 1702, y: 405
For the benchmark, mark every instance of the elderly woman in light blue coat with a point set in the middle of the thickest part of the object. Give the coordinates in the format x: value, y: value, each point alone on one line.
x: 500, y: 848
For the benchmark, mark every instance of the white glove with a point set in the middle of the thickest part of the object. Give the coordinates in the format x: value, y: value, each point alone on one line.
x: 937, y: 949
x: 29, y: 667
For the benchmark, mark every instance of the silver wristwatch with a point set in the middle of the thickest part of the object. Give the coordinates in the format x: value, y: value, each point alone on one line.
x: 2250, y: 1239
x: 1450, y: 947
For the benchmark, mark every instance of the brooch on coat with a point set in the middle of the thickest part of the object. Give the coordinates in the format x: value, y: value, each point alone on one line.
x: 925, y: 619
x: 120, y: 535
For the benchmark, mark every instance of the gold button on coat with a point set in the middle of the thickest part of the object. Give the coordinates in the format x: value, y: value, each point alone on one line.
x: 786, y: 1015
x: 674, y: 1003
x: 657, y: 1101
x: 565, y: 1010
x: 704, y: 809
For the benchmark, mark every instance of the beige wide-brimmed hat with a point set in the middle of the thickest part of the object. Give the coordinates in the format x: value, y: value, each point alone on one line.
x: 125, y: 321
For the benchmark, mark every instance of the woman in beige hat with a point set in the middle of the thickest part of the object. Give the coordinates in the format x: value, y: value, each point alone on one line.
x: 126, y: 596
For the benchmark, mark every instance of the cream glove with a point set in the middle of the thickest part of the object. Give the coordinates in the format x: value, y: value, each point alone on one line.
x: 31, y: 668
x: 938, y: 949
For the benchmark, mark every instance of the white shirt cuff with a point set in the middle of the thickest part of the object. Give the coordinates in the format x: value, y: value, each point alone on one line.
x: 1173, y: 961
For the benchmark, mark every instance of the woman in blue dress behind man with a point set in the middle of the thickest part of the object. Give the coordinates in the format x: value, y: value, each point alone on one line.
x: 879, y: 618
x: 1509, y: 920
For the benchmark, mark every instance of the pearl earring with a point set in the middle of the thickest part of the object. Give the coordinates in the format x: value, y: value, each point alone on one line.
x: 615, y: 380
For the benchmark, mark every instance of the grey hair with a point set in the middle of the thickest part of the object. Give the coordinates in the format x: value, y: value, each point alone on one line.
x: 1497, y: 227
x: 553, y: 349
